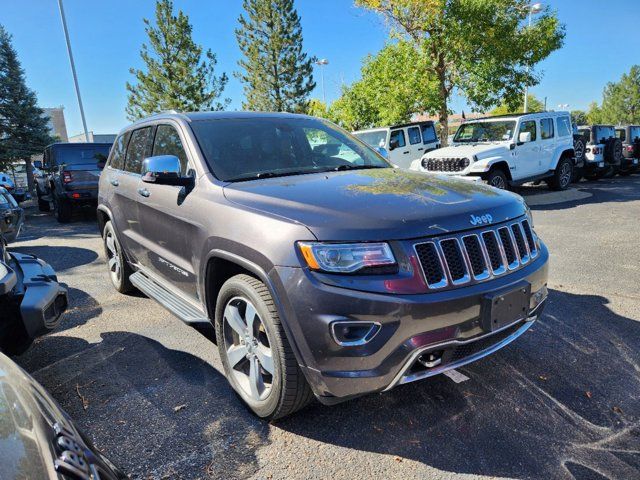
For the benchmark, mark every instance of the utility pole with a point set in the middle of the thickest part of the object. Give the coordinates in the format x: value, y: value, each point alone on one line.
x: 321, y: 63
x: 534, y: 8
x: 73, y: 70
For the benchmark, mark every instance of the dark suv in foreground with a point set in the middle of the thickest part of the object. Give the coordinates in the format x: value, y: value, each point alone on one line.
x: 325, y: 271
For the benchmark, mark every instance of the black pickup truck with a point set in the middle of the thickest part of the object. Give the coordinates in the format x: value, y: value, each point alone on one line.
x: 70, y: 177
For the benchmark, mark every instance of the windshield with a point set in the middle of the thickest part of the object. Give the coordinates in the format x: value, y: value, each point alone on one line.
x: 249, y: 148
x: 603, y: 133
x: 373, y: 139
x: 75, y: 155
x: 497, y: 131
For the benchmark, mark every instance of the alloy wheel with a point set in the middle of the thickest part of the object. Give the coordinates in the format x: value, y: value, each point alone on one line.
x: 565, y: 174
x: 113, y: 256
x: 498, y: 182
x: 248, y: 349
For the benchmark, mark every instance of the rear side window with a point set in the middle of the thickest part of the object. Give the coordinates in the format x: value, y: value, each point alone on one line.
x: 564, y: 126
x: 167, y: 142
x: 428, y: 134
x: 118, y: 152
x: 546, y: 128
x: 414, y: 135
x: 529, y: 126
x: 397, y: 136
x: 139, y: 148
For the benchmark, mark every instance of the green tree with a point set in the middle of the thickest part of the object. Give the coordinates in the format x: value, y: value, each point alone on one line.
x: 533, y: 105
x: 317, y: 108
x: 594, y: 114
x: 179, y: 74
x: 276, y: 73
x: 24, y: 129
x: 621, y: 100
x: 480, y: 49
x: 394, y: 85
x: 579, y: 117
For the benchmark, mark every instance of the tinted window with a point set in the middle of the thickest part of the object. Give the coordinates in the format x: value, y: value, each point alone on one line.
x: 428, y: 134
x: 528, y: 126
x: 139, y: 148
x: 546, y: 128
x: 70, y: 154
x: 564, y: 126
x: 620, y: 133
x: 118, y: 152
x: 167, y: 142
x: 414, y: 135
x: 397, y: 136
x: 250, y: 148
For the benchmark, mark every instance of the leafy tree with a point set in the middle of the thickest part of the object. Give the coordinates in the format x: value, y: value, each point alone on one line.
x: 394, y: 85
x: 621, y: 100
x: 317, y: 108
x: 177, y: 76
x: 24, y: 129
x: 594, y: 114
x: 534, y: 105
x: 479, y: 49
x: 579, y: 117
x: 276, y: 73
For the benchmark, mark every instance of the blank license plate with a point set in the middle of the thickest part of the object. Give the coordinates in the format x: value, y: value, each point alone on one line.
x: 500, y: 309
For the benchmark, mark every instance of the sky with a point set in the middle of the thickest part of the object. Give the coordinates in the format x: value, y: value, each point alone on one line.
x: 106, y: 36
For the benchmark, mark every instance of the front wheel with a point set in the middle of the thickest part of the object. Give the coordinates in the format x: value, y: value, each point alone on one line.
x: 257, y: 358
x: 562, y: 175
x: 119, y: 268
x: 498, y: 179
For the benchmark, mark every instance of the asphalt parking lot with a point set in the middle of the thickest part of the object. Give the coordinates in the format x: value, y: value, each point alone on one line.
x: 562, y: 402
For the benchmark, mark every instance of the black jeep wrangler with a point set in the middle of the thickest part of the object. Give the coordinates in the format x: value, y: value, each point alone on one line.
x: 629, y: 135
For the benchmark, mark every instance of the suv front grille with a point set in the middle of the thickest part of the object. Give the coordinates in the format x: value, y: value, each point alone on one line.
x: 476, y: 256
x: 453, y: 164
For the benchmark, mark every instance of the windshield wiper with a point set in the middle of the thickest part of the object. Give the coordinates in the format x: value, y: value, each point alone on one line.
x: 340, y: 168
x: 261, y: 175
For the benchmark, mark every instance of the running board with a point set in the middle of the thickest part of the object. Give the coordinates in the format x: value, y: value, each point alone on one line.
x: 180, y: 307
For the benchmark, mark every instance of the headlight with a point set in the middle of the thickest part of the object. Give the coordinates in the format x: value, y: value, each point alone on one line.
x: 346, y: 257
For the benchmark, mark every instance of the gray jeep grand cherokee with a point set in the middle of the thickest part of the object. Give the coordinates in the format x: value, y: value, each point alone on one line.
x: 324, y: 270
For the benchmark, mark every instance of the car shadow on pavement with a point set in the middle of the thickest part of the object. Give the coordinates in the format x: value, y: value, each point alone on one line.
x: 156, y: 412
x: 59, y: 257
x: 615, y: 190
x: 38, y: 225
x: 562, y: 400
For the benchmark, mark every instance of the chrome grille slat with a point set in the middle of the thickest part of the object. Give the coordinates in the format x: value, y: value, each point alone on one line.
x: 476, y: 256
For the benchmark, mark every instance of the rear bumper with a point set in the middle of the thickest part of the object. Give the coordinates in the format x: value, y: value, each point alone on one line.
x: 410, y: 325
x: 43, y: 298
x: 81, y: 197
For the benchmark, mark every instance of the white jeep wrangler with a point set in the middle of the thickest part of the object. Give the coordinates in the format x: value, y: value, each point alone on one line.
x: 509, y: 150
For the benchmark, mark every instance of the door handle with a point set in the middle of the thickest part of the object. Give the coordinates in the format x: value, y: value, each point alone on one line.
x: 420, y: 149
x: 405, y: 153
x: 144, y: 192
x: 114, y: 182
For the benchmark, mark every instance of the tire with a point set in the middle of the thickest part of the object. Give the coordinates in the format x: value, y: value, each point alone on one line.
x: 62, y: 210
x: 613, y: 151
x: 562, y: 175
x: 579, y: 149
x: 117, y: 264
x: 43, y: 205
x: 497, y: 179
x: 276, y: 393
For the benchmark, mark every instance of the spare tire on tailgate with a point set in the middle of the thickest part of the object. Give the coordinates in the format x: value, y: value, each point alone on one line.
x: 613, y: 151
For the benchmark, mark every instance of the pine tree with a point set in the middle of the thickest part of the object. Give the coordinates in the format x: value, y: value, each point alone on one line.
x: 24, y: 129
x: 277, y: 74
x: 177, y: 76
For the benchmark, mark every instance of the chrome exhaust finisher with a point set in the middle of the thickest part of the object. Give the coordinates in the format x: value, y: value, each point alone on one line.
x: 408, y: 373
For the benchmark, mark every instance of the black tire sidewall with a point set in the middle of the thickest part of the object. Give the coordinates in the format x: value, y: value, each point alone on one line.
x: 496, y: 173
x: 238, y: 286
x: 123, y: 286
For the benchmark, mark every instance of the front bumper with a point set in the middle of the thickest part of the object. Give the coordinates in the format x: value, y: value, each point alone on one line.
x: 410, y: 325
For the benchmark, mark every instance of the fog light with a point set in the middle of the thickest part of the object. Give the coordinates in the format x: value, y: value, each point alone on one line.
x: 351, y: 334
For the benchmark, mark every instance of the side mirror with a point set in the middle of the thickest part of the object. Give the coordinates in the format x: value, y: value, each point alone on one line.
x: 524, y: 137
x: 393, y: 144
x: 164, y: 170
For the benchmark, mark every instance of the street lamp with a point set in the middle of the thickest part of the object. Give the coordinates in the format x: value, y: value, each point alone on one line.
x: 321, y: 63
x: 533, y: 8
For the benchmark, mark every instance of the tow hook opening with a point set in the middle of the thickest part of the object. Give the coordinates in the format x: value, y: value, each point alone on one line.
x: 430, y: 359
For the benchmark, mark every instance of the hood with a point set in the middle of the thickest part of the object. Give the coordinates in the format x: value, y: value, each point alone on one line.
x: 376, y: 204
x: 480, y: 150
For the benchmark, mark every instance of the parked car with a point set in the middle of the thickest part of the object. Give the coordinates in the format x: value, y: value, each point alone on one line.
x: 39, y: 439
x: 404, y: 143
x: 31, y: 300
x: 11, y: 216
x: 17, y: 171
x: 7, y: 182
x: 579, y: 153
x: 509, y: 150
x: 603, y: 153
x: 71, y: 177
x: 322, y: 276
x: 630, y: 137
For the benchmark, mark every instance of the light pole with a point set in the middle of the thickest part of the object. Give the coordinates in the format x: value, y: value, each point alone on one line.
x: 533, y: 8
x: 321, y: 63
x: 73, y: 70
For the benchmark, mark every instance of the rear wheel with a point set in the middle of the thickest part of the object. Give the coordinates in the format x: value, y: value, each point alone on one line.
x: 119, y: 268
x: 62, y: 209
x: 257, y: 358
x: 43, y: 205
x: 562, y: 175
x: 498, y: 179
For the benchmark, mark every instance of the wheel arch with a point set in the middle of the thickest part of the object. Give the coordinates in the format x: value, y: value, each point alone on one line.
x: 103, y: 216
x: 499, y: 165
x: 563, y: 153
